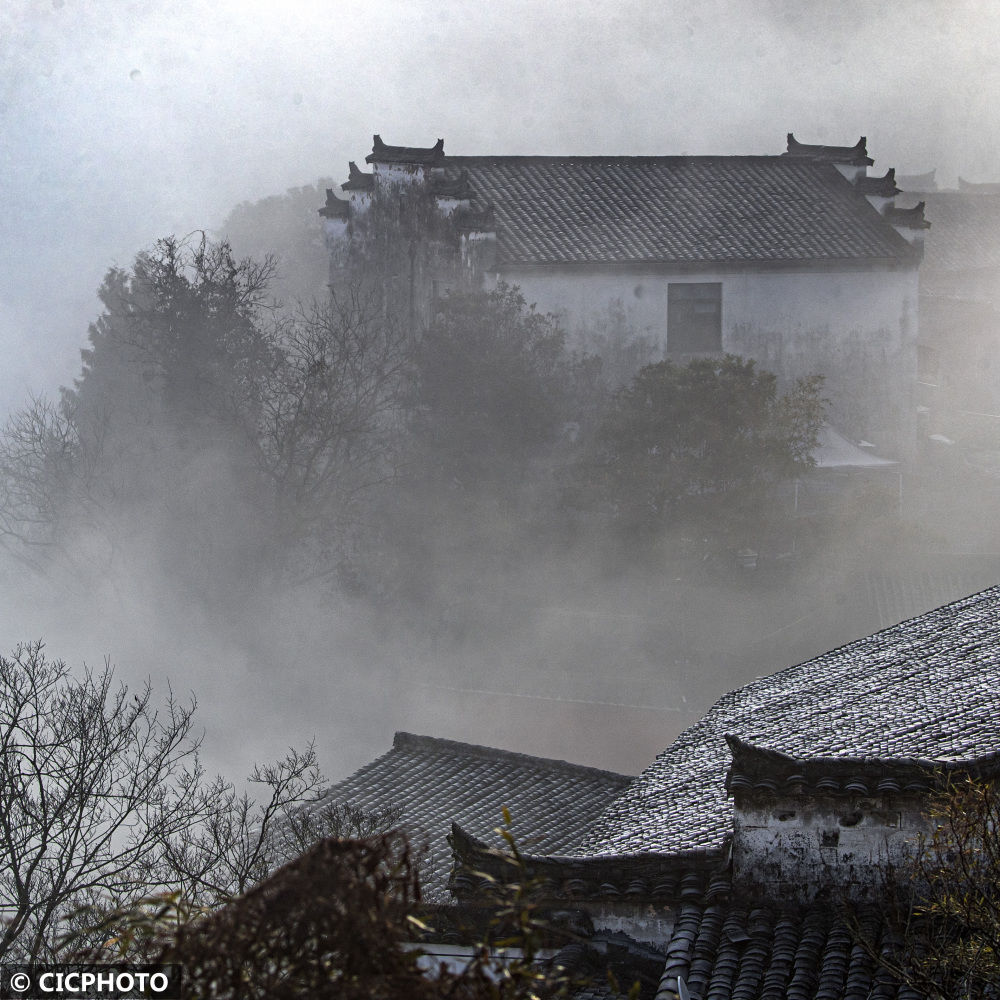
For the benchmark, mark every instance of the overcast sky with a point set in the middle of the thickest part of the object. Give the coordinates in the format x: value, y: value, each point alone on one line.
x: 125, y: 121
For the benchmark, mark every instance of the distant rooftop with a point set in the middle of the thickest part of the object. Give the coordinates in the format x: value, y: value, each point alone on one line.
x: 968, y: 187
x: 920, y: 183
x: 436, y: 781
x: 966, y: 228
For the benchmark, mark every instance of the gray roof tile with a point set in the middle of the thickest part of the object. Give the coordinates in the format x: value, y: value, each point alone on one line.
x: 927, y: 688
x: 730, y: 952
x: 676, y: 210
x: 435, y: 782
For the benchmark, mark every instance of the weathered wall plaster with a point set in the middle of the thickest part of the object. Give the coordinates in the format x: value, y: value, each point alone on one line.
x: 812, y: 847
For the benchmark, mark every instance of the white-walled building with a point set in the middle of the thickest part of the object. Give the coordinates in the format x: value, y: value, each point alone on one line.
x: 799, y: 261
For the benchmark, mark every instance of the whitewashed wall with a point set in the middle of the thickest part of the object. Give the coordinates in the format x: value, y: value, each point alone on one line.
x: 818, y: 846
x: 857, y: 328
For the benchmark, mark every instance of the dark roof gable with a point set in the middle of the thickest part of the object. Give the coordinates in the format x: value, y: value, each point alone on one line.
x: 856, y: 155
x: 884, y: 187
x: 381, y: 153
x: 335, y: 208
x: 357, y: 180
x: 909, y: 218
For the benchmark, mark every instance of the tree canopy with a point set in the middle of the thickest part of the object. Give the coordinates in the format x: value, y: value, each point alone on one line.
x: 491, y: 378
x: 698, y: 443
x: 228, y: 435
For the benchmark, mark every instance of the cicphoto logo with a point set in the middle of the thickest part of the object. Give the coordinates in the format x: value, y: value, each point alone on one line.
x: 81, y: 982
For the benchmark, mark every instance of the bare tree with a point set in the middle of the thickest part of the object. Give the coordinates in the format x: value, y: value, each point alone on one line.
x: 104, y: 804
x: 39, y: 463
x: 307, y: 825
x: 328, y: 412
x: 241, y: 839
x: 943, y: 914
x: 93, y: 780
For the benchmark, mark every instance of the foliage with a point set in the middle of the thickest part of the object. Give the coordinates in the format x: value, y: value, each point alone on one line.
x: 330, y: 923
x: 946, y: 923
x: 491, y: 381
x: 206, y: 428
x: 340, y: 921
x: 186, y: 321
x: 698, y: 443
x: 520, y: 929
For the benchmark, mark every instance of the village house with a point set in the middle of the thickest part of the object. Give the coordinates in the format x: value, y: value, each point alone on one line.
x: 724, y: 863
x: 958, y: 370
x: 800, y: 261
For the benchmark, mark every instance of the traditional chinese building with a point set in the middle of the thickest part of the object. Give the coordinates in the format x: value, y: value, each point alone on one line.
x: 801, y: 261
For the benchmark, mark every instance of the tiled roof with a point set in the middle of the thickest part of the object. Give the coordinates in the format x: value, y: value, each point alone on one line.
x: 734, y: 948
x: 728, y: 944
x: 918, y: 182
x: 968, y: 187
x: 928, y: 688
x: 682, y: 210
x: 733, y: 951
x: 755, y: 771
x: 966, y: 230
x: 435, y: 782
x: 649, y: 878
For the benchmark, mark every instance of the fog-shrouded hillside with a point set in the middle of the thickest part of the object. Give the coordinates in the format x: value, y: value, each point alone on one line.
x: 339, y: 549
x: 441, y: 584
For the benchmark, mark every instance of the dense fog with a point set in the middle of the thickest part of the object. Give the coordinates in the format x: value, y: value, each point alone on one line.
x: 437, y: 577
